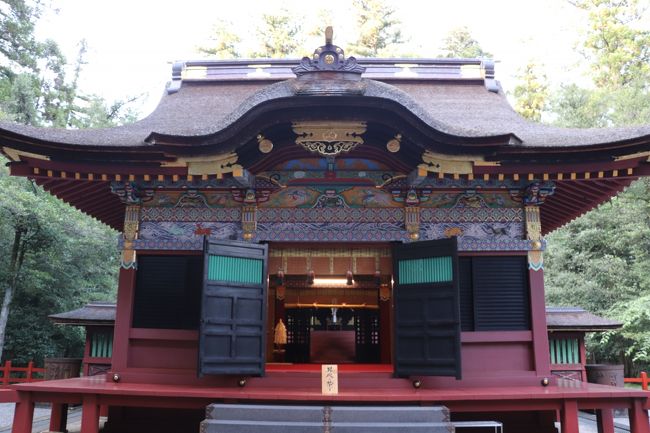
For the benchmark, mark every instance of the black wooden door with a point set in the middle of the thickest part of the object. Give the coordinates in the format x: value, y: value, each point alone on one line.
x: 427, y: 316
x: 233, y: 308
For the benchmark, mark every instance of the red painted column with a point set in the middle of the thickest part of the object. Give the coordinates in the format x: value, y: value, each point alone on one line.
x: 90, y: 414
x: 538, y: 323
x: 87, y: 350
x: 638, y: 417
x: 605, y: 421
x: 58, y: 417
x: 23, y: 414
x: 123, y: 315
x: 569, y: 416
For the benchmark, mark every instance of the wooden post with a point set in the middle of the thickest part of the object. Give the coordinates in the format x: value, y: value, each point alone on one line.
x: 570, y: 416
x: 23, y: 414
x: 644, y: 380
x: 6, y: 371
x: 638, y: 417
x: 30, y: 370
x: 59, y: 417
x: 538, y: 319
x: 605, y: 421
x: 123, y: 315
x: 90, y: 414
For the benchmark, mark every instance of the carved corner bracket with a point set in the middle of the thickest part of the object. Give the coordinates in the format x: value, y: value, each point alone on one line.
x: 130, y: 234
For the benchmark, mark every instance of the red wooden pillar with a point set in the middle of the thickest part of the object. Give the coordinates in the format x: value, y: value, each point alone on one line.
x: 6, y: 373
x: 90, y: 414
x: 583, y: 357
x: 538, y: 319
x: 638, y: 417
x: 23, y: 414
x: 87, y: 346
x: 123, y: 315
x: 569, y: 416
x: 605, y: 421
x: 59, y: 417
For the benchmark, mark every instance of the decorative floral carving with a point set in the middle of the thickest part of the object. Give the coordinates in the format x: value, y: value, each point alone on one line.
x: 329, y: 138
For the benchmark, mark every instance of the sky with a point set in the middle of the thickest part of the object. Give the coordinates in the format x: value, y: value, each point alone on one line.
x: 132, y: 43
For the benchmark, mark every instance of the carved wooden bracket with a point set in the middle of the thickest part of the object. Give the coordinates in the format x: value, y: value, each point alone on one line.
x: 329, y: 138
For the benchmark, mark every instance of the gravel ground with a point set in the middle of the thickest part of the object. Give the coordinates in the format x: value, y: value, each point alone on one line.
x: 7, y: 413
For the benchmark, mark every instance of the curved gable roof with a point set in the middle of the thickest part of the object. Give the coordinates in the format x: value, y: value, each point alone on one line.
x: 454, y: 106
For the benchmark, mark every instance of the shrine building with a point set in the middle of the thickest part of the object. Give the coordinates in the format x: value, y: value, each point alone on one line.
x: 384, y: 216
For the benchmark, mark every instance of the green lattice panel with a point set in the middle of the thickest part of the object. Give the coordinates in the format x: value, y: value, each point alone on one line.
x: 426, y: 270
x: 235, y: 269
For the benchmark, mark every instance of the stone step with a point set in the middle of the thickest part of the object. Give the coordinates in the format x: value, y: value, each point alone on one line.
x: 387, y: 414
x: 242, y: 426
x: 254, y: 412
x: 336, y: 414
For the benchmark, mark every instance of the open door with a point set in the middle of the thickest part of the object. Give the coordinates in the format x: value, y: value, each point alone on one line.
x: 233, y: 308
x: 427, y: 314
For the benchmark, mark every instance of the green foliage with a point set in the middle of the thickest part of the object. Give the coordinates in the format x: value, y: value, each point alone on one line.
x: 56, y: 257
x: 379, y: 34
x: 619, y: 52
x: 224, y: 43
x: 459, y: 43
x: 531, y: 93
x: 69, y: 260
x: 574, y: 106
x: 22, y: 99
x: 599, y: 262
x: 280, y: 34
x: 17, y: 42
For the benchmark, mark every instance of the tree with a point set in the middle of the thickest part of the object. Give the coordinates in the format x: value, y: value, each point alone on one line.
x: 17, y: 42
x: 459, y: 43
x: 378, y: 29
x: 29, y: 234
x: 531, y: 93
x: 22, y: 99
x: 58, y: 259
x: 575, y: 106
x: 280, y: 34
x: 600, y: 260
x: 224, y: 43
x: 618, y: 51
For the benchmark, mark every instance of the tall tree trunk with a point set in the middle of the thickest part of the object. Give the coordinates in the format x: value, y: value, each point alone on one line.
x: 17, y: 256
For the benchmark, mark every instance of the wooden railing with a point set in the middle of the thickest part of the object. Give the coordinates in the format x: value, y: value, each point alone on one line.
x: 25, y: 374
x: 642, y: 379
